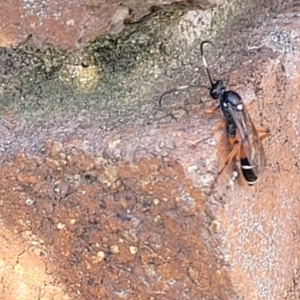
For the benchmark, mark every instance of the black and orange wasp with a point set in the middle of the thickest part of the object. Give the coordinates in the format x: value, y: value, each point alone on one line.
x: 245, y: 139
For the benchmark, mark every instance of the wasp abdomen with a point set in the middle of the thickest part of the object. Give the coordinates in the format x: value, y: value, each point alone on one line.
x: 248, y: 172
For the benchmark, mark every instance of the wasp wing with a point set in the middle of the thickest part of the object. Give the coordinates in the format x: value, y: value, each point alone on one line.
x: 249, y: 138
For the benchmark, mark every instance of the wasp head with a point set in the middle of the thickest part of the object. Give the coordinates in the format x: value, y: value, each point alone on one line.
x: 217, y: 89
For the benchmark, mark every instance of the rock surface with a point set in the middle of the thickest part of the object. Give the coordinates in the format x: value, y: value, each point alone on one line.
x: 110, y: 201
x: 72, y: 24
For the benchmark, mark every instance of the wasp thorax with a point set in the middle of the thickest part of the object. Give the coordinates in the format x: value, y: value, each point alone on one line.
x: 234, y: 99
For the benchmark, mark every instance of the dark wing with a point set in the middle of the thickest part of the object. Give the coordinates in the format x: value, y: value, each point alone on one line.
x: 250, y: 139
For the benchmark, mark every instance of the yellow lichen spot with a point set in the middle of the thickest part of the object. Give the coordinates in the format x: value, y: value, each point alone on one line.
x: 87, y: 265
x: 84, y: 79
x: 114, y: 143
x: 101, y: 254
x: 72, y: 221
x: 99, y: 257
x: 110, y: 176
x: 70, y: 22
x: 156, y: 201
x: 215, y: 226
x: 61, y: 226
x: 19, y: 269
x: 157, y: 218
x: 133, y: 250
x: 115, y: 249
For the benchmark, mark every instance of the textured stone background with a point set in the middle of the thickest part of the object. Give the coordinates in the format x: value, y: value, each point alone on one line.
x: 70, y: 24
x: 104, y: 195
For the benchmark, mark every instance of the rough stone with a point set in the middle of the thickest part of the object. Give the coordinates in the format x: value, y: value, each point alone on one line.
x: 123, y: 210
x: 72, y: 24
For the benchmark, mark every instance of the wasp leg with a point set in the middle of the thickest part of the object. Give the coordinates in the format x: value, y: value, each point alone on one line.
x: 262, y: 129
x: 263, y: 136
x: 211, y: 111
x: 249, y: 106
x: 220, y: 124
x: 235, y: 152
x: 263, y: 132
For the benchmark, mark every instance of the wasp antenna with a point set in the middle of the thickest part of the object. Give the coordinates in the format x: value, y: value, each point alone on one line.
x: 183, y: 87
x: 205, y: 62
x: 171, y: 91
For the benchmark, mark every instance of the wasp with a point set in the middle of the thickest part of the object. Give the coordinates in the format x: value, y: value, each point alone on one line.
x: 245, y: 139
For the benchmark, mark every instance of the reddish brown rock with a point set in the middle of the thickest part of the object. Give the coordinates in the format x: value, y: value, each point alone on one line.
x: 23, y: 264
x: 125, y: 213
x: 70, y: 24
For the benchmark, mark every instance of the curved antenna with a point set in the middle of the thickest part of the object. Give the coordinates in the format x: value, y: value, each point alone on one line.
x: 204, y: 60
x: 183, y: 87
x: 169, y: 92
